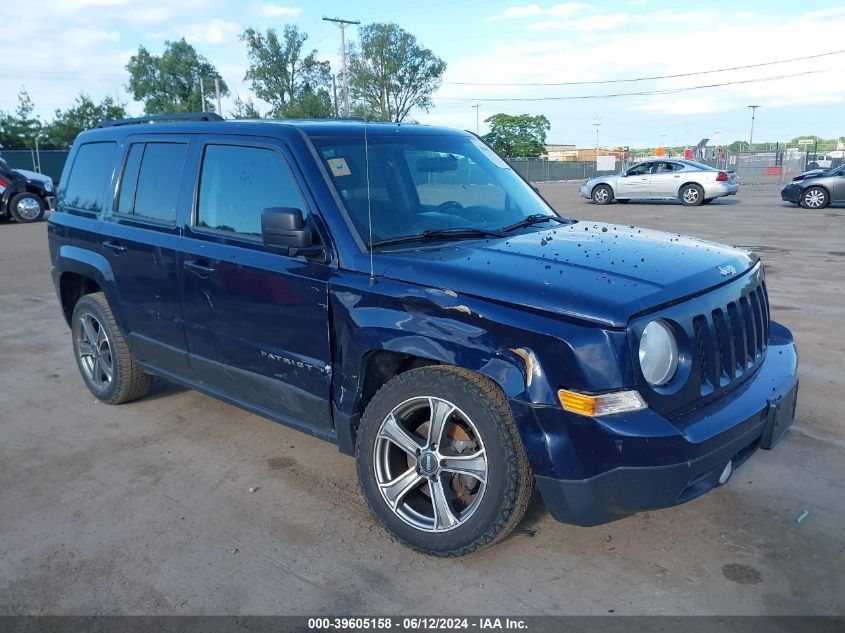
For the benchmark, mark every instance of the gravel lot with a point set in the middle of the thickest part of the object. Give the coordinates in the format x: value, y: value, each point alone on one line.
x: 145, y: 508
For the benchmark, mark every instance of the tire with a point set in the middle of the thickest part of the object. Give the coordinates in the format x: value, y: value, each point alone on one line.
x: 707, y: 200
x: 813, y: 165
x: 691, y: 195
x: 815, y: 198
x: 482, y: 438
x: 108, y: 368
x: 602, y: 194
x: 27, y: 207
x: 623, y: 200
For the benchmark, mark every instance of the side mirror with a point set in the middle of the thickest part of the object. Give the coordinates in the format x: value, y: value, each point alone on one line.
x: 284, y: 229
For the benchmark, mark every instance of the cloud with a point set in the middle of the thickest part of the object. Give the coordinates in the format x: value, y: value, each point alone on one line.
x: 592, y: 23
x: 268, y: 10
x: 557, y: 11
x: 214, y: 31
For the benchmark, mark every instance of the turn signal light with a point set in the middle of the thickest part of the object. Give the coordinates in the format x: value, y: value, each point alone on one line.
x: 601, y: 404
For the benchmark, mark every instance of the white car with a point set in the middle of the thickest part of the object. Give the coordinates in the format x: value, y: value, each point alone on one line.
x: 685, y: 180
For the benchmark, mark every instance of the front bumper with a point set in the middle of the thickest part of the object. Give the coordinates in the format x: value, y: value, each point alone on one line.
x: 791, y: 193
x: 643, y: 461
x: 585, y: 191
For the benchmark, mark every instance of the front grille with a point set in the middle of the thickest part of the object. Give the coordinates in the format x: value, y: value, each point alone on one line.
x: 731, y: 339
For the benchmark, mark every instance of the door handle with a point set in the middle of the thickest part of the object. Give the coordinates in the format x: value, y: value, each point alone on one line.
x: 115, y: 246
x: 199, y: 267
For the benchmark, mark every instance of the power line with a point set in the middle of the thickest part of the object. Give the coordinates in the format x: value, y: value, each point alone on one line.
x: 635, y: 79
x: 643, y: 93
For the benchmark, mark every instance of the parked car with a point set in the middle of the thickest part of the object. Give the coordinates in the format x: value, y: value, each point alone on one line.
x: 400, y: 291
x: 688, y: 181
x: 24, y: 195
x: 816, y: 190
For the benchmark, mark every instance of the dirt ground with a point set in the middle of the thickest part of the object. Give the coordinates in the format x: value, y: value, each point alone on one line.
x: 145, y: 508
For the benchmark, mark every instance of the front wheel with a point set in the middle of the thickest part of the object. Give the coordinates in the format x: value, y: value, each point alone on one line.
x: 815, y: 198
x: 602, y: 194
x: 691, y: 195
x: 440, y: 462
x: 27, y: 207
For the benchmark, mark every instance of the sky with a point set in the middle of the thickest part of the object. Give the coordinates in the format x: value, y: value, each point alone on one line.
x: 75, y: 46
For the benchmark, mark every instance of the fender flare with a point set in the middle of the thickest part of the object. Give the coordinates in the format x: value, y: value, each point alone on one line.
x: 87, y: 263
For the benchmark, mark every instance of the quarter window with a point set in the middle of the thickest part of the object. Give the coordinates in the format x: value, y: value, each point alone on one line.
x: 91, y: 172
x: 237, y: 183
x: 151, y: 180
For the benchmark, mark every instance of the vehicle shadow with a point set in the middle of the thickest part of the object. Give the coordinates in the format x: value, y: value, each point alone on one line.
x: 162, y: 388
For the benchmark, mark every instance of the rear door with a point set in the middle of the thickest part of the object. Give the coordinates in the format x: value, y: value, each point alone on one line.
x: 635, y: 183
x: 140, y: 239
x: 667, y: 178
x: 256, y: 320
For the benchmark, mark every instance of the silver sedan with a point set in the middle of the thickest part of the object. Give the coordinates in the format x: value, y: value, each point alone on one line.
x: 685, y: 180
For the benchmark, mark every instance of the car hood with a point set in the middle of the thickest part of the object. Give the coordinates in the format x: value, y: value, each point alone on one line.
x: 34, y: 176
x: 813, y: 173
x: 599, y: 272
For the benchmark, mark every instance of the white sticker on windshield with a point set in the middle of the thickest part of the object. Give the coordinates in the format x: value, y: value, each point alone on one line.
x: 490, y: 154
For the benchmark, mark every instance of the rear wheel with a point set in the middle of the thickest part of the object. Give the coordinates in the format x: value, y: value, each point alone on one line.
x: 815, y: 198
x: 108, y: 367
x: 440, y: 462
x: 602, y: 194
x: 27, y: 207
x: 691, y: 195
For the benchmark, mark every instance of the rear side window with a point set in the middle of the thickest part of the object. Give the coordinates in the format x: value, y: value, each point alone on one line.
x: 237, y: 183
x: 151, y: 180
x: 89, y: 176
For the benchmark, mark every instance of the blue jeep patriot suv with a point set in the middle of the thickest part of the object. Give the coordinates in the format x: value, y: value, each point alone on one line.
x: 400, y: 291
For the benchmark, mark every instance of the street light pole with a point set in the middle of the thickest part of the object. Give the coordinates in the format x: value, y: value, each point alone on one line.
x: 476, y: 106
x: 751, y: 134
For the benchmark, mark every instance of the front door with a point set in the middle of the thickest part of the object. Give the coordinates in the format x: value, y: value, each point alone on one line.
x: 635, y: 182
x: 256, y: 320
x: 667, y: 178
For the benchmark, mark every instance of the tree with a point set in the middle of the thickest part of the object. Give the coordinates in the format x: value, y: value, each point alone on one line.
x: 391, y: 74
x: 170, y: 82
x: 517, y: 135
x: 19, y: 129
x: 83, y: 115
x: 293, y: 83
x: 245, y: 109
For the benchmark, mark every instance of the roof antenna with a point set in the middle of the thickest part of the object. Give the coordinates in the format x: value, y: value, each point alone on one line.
x: 369, y: 202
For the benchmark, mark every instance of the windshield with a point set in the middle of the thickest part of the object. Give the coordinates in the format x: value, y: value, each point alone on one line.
x: 422, y: 183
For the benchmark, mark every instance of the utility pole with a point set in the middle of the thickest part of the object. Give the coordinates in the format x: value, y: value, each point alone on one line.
x: 751, y: 134
x: 343, y: 24
x: 476, y: 106
x: 202, y: 96
x: 597, y: 125
x: 334, y: 95
x: 217, y: 92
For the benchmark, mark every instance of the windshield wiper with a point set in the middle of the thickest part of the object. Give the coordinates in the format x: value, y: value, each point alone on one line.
x: 437, y: 234
x: 534, y: 218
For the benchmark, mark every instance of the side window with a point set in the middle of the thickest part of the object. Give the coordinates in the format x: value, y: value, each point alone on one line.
x: 151, y: 180
x: 89, y: 175
x: 640, y: 170
x: 668, y: 167
x: 237, y: 183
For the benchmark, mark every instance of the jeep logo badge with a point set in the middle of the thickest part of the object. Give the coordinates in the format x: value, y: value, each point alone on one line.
x: 727, y: 270
x: 428, y: 463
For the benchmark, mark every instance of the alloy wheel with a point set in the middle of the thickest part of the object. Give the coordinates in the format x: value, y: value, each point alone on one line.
x: 430, y: 464
x: 690, y: 195
x: 814, y: 198
x: 600, y: 195
x: 94, y: 351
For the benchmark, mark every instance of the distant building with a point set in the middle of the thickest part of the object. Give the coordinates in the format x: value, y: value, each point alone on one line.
x: 561, y: 152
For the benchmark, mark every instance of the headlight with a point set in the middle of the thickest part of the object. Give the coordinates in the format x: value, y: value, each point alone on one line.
x: 658, y: 353
x: 48, y: 185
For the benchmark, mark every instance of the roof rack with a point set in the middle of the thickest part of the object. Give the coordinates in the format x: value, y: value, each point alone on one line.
x: 157, y: 118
